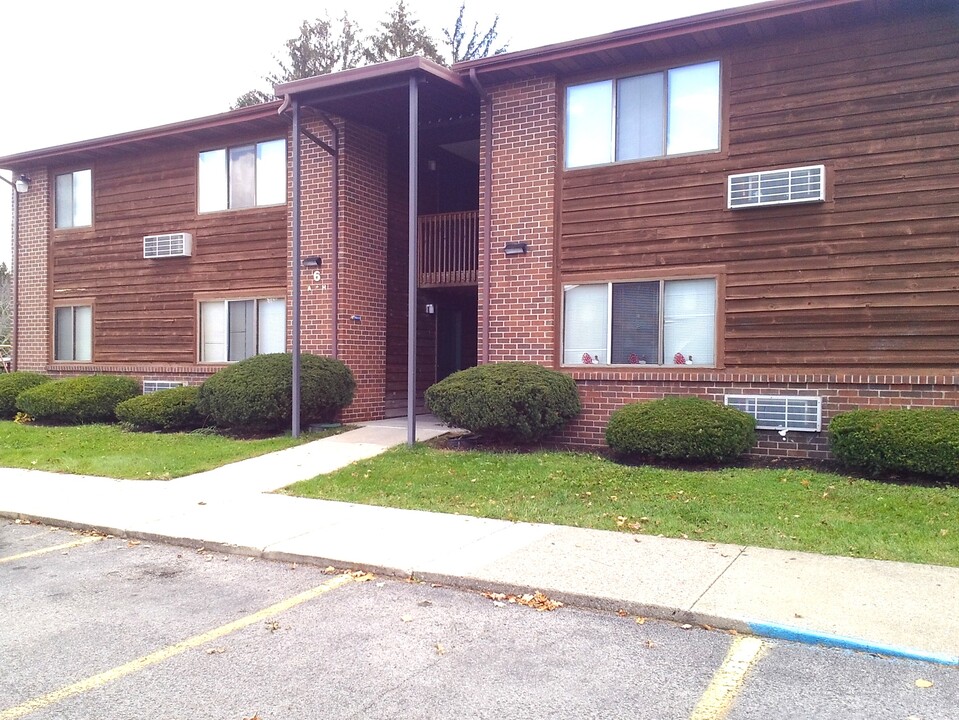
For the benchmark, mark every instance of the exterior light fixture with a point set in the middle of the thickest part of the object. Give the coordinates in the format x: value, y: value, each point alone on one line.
x: 22, y: 183
x: 312, y: 262
x: 515, y: 248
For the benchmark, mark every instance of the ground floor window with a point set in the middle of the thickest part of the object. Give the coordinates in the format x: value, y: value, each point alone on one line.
x: 232, y: 330
x: 73, y: 333
x: 648, y: 322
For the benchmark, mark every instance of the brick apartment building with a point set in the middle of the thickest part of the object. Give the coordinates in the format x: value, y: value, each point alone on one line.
x: 759, y: 206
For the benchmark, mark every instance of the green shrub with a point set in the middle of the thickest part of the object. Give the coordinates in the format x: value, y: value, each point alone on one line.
x: 173, y: 409
x: 681, y: 428
x: 506, y: 401
x: 257, y: 393
x: 74, y: 401
x: 922, y: 441
x: 11, y: 385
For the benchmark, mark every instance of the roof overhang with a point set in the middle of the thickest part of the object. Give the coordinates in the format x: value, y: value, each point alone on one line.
x: 688, y: 35
x: 377, y: 95
x: 212, y: 129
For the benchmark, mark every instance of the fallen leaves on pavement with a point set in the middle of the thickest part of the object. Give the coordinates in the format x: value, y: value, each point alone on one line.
x: 537, y: 601
x: 357, y: 575
x: 920, y: 683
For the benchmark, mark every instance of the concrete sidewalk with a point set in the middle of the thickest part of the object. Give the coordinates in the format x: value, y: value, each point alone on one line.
x: 886, y: 607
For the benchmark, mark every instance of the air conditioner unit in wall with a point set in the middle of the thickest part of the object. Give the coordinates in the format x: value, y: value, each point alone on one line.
x: 777, y: 187
x: 178, y: 244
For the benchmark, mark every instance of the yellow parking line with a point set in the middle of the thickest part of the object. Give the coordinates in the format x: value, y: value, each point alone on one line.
x: 42, y: 551
x: 95, y: 681
x: 728, y: 679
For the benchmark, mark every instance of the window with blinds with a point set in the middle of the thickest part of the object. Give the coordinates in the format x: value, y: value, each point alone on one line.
x: 648, y: 322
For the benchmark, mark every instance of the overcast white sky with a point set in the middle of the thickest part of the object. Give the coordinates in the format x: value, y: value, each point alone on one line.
x: 79, y: 70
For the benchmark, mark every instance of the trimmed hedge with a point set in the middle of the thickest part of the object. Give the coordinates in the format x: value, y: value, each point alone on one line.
x: 681, y: 428
x: 256, y: 394
x: 923, y: 441
x: 78, y: 400
x: 169, y: 410
x: 11, y: 385
x: 512, y: 401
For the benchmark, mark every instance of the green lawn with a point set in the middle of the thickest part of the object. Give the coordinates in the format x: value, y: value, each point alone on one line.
x: 111, y: 452
x: 788, y: 509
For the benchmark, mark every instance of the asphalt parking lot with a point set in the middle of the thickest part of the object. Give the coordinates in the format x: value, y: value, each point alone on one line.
x: 94, y: 627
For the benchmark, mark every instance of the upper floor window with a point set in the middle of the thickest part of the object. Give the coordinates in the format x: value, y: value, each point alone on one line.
x: 74, y: 199
x: 242, y: 177
x: 664, y: 113
x: 648, y: 322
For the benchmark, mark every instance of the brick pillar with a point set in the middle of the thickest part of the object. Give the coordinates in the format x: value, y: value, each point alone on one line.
x: 363, y: 262
x: 316, y: 240
x: 33, y: 315
x: 522, y: 318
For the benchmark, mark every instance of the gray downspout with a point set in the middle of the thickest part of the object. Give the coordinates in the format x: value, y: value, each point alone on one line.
x: 488, y: 208
x: 295, y: 269
x: 411, y: 274
x: 14, y: 270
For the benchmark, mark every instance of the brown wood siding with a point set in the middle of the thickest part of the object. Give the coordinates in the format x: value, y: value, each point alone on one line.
x: 868, y: 278
x: 145, y: 309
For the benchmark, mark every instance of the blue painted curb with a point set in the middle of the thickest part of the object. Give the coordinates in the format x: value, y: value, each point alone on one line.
x: 809, y: 637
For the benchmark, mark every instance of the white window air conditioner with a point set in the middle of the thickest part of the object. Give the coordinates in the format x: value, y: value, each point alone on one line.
x: 178, y: 244
x: 777, y: 187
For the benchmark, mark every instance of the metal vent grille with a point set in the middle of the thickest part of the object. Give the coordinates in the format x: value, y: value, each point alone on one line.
x: 169, y: 245
x: 152, y: 386
x: 781, y: 412
x: 777, y: 187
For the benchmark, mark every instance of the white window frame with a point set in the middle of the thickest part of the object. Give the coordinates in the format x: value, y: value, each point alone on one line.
x: 81, y: 210
x: 794, y: 408
x: 224, y: 340
x: 219, y: 199
x: 604, y: 358
x: 667, y: 116
x: 77, y: 353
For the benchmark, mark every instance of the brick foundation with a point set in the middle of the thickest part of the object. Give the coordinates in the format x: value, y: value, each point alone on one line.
x: 602, y: 393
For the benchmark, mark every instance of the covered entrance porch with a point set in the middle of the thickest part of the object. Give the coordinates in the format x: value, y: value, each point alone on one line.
x: 385, y: 183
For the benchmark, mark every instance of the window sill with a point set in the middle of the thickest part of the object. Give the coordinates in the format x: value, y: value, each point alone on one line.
x: 638, y: 367
x: 658, y: 161
x: 207, y: 213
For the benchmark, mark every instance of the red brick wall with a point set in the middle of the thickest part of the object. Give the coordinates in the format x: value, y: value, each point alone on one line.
x: 33, y: 315
x: 522, y: 321
x: 363, y: 255
x: 362, y: 258
x: 316, y: 240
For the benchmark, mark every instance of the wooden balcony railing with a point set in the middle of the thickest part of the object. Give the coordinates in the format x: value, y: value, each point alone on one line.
x: 448, y: 249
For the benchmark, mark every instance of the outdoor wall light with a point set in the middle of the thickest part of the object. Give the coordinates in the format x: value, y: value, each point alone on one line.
x: 21, y: 185
x: 312, y: 262
x: 515, y: 248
